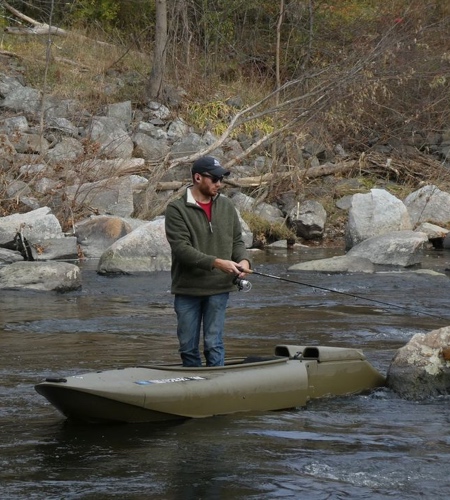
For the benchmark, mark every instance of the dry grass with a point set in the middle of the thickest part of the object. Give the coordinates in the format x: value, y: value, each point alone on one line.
x: 79, y: 66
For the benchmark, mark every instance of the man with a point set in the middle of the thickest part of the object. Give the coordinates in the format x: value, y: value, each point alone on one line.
x: 208, y: 252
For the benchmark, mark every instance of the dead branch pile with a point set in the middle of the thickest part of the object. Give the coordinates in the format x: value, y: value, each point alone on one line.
x: 410, y: 172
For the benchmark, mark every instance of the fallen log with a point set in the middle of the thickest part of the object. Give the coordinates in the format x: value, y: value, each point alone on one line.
x: 309, y: 173
x: 264, y: 179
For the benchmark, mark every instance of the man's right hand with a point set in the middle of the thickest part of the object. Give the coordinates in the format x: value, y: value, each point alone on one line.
x: 228, y: 267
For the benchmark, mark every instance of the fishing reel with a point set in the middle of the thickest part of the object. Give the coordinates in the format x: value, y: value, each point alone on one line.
x: 242, y: 285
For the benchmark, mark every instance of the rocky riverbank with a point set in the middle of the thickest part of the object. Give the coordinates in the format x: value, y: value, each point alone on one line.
x: 76, y: 185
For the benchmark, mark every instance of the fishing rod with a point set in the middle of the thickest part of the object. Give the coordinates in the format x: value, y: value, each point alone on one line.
x: 245, y: 286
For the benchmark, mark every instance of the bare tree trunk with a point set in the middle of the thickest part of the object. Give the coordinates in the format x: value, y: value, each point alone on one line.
x: 278, y: 84
x: 48, y: 55
x: 159, y: 53
x: 311, y: 34
x: 278, y: 50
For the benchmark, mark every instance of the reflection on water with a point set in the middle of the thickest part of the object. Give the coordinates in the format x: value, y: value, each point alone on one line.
x: 370, y: 446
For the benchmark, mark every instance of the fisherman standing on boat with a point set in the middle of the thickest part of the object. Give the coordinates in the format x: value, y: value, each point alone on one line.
x: 208, y: 252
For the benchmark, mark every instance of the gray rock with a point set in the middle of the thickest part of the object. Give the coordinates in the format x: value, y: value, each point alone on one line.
x: 247, y: 234
x: 400, y: 248
x: 63, y: 125
x: 17, y: 188
x: 151, y: 130
x: 9, y: 256
x: 13, y: 125
x: 68, y: 149
x: 55, y: 107
x: 421, y: 369
x: 432, y: 231
x: 112, y: 136
x: 245, y: 203
x: 55, y: 248
x: 33, y: 168
x: 308, y: 220
x: 23, y: 99
x: 40, y: 276
x: 37, y: 225
x: 338, y: 264
x: 149, y: 148
x: 374, y: 214
x: 177, y: 129
x: 121, y: 110
x: 158, y: 110
x: 428, y: 204
x: 144, y: 249
x: 187, y: 145
x: 30, y: 143
x: 345, y: 202
x: 45, y: 185
x: 7, y: 150
x: 8, y: 84
x: 242, y: 202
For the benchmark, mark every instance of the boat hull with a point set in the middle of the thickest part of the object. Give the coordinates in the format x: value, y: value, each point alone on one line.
x: 289, y: 379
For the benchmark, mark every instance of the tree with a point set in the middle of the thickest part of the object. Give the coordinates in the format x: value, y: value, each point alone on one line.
x: 160, y: 51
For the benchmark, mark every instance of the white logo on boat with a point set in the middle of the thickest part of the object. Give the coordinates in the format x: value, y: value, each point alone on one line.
x: 168, y: 380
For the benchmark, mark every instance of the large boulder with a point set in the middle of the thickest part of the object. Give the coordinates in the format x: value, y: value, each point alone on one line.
x: 400, y: 248
x: 22, y: 98
x: 112, y: 136
x: 337, y: 264
x: 308, y: 220
x: 149, y: 148
x: 40, y: 276
x: 37, y: 235
x: 421, y: 369
x: 36, y: 226
x: 373, y: 214
x: 54, y: 248
x: 429, y: 204
x: 144, y: 249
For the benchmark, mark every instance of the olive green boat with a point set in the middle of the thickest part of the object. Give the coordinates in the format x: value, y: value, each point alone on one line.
x: 289, y: 379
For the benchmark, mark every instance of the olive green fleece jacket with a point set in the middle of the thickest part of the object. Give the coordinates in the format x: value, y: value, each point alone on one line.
x: 196, y: 243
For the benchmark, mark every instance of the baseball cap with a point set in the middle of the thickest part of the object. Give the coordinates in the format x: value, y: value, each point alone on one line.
x: 209, y: 165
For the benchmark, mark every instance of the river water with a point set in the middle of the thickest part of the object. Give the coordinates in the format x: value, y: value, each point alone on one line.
x: 375, y: 446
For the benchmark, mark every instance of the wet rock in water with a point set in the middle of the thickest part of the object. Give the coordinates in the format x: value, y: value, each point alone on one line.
x: 399, y: 248
x: 338, y: 264
x: 421, y: 369
x: 41, y: 276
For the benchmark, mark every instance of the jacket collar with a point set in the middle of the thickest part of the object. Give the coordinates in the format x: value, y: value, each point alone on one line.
x: 190, y: 198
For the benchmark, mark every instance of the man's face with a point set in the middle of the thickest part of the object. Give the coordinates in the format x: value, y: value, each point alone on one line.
x: 209, y: 185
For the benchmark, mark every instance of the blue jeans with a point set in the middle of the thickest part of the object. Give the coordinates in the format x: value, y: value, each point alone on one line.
x: 191, y: 311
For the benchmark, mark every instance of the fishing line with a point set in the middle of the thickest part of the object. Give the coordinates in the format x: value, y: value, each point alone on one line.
x: 388, y: 304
